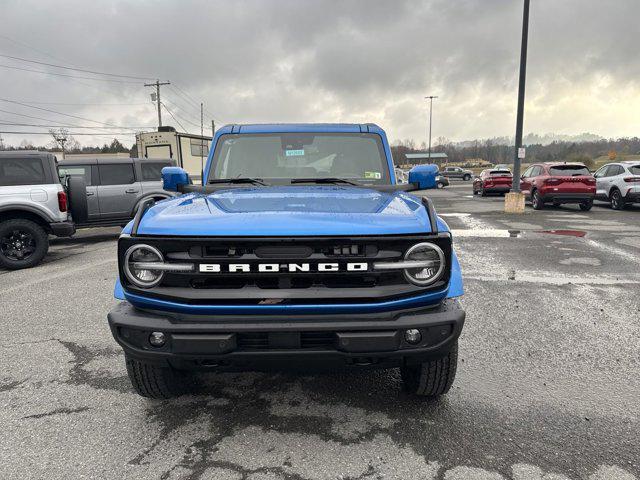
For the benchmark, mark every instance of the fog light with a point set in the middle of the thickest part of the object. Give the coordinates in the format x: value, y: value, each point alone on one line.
x: 157, y: 339
x: 413, y: 336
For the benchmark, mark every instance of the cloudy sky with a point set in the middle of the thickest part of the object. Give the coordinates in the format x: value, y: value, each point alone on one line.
x: 322, y: 61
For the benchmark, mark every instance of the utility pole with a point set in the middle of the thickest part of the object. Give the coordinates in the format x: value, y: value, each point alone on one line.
x: 60, y: 137
x: 157, y: 84
x: 201, y: 143
x: 520, y: 116
x: 430, y: 97
x: 213, y: 128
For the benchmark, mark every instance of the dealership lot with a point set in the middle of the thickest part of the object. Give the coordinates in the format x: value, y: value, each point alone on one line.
x: 547, y: 387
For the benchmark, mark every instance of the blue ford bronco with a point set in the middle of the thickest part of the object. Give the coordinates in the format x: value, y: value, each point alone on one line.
x: 299, y: 251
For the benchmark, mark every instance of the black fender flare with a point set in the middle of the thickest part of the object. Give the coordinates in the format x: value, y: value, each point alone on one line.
x: 149, y: 196
x: 28, y: 208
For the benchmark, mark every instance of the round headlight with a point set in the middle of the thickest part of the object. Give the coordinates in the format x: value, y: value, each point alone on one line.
x: 139, y: 254
x: 430, y: 254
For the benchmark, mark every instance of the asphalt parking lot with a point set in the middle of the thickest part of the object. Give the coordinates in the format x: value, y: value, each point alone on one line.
x: 548, y: 385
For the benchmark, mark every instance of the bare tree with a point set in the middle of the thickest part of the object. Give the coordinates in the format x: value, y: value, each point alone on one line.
x: 63, y: 140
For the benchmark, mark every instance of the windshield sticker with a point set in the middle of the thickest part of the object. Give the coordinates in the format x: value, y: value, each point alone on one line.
x: 375, y: 175
x: 294, y: 153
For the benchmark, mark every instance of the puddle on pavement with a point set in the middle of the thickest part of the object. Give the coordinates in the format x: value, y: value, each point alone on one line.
x: 486, y: 233
x: 567, y: 233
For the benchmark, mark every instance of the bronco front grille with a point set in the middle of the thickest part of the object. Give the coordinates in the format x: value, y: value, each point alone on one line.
x: 233, y: 275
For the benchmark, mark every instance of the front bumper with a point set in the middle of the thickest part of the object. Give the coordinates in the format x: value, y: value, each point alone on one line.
x: 63, y: 229
x: 307, y: 342
x: 567, y: 197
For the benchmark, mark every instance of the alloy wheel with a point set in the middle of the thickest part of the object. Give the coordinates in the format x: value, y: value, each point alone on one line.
x: 17, y: 245
x: 616, y: 200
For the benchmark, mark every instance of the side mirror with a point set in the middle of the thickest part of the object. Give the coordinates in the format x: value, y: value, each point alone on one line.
x: 173, y: 178
x: 424, y: 176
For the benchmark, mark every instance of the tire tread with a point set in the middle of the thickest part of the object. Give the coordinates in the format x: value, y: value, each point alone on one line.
x: 432, y: 378
x: 153, y: 381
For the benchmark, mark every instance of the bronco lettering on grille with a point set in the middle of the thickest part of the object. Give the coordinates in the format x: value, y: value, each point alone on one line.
x: 282, y: 267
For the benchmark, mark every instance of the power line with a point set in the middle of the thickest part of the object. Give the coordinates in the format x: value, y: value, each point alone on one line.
x: 115, y: 134
x: 179, y: 91
x: 60, y: 113
x: 76, y: 69
x: 70, y: 76
x: 169, y: 111
x: 22, y: 44
x: 67, y: 126
x: 180, y: 117
x: 181, y: 107
x: 86, y: 104
x: 42, y: 52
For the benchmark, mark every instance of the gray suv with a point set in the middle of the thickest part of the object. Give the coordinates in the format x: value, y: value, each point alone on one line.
x: 116, y: 187
x: 39, y: 197
x: 456, y: 172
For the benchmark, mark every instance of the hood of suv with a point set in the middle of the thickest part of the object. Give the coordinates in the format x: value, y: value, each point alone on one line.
x: 287, y: 211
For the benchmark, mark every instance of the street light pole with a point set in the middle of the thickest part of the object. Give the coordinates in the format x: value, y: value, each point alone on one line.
x: 520, y: 115
x: 430, y: 97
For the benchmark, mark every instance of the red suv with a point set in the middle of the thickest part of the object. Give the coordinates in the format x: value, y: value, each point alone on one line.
x: 492, y: 181
x: 559, y: 183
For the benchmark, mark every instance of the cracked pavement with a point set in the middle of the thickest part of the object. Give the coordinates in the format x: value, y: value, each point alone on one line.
x: 547, y: 386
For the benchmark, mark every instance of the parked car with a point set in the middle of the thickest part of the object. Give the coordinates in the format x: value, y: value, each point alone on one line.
x: 40, y: 196
x: 441, y: 181
x: 502, y: 166
x: 116, y: 187
x: 33, y: 205
x: 456, y: 172
x: 401, y: 175
x: 281, y: 261
x: 558, y: 183
x: 619, y: 183
x: 492, y: 181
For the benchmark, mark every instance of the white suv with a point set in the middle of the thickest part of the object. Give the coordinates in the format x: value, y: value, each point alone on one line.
x: 619, y: 183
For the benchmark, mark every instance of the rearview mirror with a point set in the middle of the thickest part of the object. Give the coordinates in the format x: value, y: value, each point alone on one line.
x: 173, y: 178
x: 424, y: 176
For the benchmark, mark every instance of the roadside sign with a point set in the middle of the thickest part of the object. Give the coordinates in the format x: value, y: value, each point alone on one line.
x: 521, y: 152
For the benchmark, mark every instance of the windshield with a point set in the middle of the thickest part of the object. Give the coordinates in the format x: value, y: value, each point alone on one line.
x: 282, y: 157
x: 635, y: 169
x: 499, y: 173
x: 569, y: 170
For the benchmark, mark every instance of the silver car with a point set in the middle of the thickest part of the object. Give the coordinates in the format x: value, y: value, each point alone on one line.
x: 619, y: 183
x: 40, y: 196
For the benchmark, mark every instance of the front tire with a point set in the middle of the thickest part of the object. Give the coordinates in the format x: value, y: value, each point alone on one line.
x: 536, y: 201
x: 153, y: 381
x: 466, y: 178
x: 23, y: 244
x: 431, y: 379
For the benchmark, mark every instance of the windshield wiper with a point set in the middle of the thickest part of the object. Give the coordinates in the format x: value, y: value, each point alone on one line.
x: 253, y: 181
x: 324, y: 180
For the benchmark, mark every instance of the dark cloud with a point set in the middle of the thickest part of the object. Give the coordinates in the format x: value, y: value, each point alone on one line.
x: 260, y: 61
